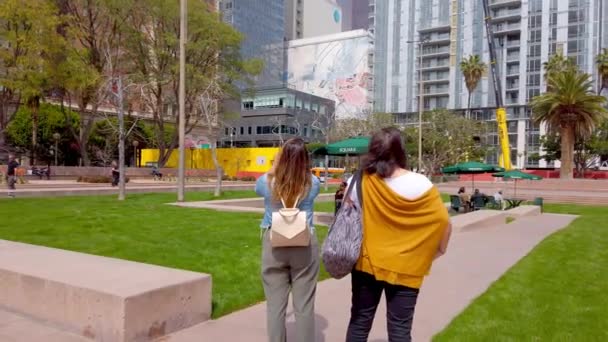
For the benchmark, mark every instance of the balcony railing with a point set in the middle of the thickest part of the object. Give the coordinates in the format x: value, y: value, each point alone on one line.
x: 497, y: 3
x: 435, y: 51
x: 506, y: 28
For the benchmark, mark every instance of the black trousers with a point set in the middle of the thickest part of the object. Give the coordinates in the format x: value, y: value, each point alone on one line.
x: 366, y: 294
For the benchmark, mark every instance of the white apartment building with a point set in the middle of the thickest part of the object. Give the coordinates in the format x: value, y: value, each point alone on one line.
x: 435, y: 35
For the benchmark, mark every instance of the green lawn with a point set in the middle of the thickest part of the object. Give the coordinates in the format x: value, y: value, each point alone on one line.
x: 145, y: 229
x: 559, y: 292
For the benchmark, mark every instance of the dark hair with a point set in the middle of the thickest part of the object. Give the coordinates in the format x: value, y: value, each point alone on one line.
x: 461, y: 190
x: 386, y: 153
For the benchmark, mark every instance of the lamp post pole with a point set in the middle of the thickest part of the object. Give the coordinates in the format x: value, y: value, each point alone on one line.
x: 181, y: 173
x: 420, y: 98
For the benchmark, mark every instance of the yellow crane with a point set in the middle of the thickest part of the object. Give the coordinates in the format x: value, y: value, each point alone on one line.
x: 501, y: 113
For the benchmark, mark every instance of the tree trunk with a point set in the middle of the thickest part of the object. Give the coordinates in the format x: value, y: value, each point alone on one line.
x: 469, y: 106
x: 219, y: 173
x: 567, y: 147
x: 86, y: 125
x: 34, y: 106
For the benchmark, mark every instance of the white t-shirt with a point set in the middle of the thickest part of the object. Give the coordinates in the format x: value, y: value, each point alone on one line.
x: 410, y: 185
x: 498, y: 197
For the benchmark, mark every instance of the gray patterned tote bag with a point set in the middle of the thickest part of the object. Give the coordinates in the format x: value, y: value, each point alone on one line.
x: 342, y: 246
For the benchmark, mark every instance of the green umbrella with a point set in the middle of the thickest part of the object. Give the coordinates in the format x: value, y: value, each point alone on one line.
x: 349, y: 147
x: 471, y: 168
x: 516, y: 175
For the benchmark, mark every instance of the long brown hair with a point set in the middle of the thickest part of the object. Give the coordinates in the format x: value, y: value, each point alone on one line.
x: 386, y: 153
x: 291, y: 177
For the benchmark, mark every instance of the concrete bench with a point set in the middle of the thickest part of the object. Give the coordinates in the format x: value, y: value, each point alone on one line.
x: 100, y: 298
x: 478, y: 219
x: 524, y: 210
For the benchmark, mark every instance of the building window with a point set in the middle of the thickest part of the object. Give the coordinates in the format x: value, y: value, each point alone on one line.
x: 249, y: 130
x: 226, y: 131
x: 248, y: 105
x: 242, y: 130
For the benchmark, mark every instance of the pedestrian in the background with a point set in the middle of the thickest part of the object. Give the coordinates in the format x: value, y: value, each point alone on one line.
x: 11, y: 174
x: 499, y: 199
x: 339, y: 197
x: 115, y: 173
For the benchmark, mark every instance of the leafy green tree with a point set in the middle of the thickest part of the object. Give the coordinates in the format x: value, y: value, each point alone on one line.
x: 586, y: 151
x: 212, y: 58
x: 28, y: 30
x: 93, y: 29
x: 51, y: 121
x: 447, y: 138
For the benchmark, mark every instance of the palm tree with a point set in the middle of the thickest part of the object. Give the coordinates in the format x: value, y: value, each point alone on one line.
x: 602, y: 69
x: 472, y: 69
x: 569, y: 108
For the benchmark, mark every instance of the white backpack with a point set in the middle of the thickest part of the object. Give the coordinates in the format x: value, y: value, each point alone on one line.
x: 289, y: 227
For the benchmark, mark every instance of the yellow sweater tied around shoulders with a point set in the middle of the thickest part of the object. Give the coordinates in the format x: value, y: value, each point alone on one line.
x: 400, y: 236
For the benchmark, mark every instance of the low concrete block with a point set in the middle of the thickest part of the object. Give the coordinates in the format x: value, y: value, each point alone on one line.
x: 103, y: 299
x: 524, y: 210
x: 478, y: 219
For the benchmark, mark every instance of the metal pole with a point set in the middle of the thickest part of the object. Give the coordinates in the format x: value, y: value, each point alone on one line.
x: 420, y: 106
x: 182, y: 100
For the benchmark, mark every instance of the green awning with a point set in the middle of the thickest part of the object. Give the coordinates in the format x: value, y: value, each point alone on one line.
x: 516, y: 174
x: 471, y: 167
x: 351, y: 147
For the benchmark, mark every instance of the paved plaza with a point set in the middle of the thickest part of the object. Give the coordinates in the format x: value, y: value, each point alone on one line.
x: 474, y: 260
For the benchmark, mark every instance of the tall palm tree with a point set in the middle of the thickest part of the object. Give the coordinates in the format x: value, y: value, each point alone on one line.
x: 472, y: 69
x: 570, y: 108
x: 602, y: 69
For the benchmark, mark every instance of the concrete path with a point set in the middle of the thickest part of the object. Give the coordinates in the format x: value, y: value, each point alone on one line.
x: 16, y: 328
x: 475, y: 259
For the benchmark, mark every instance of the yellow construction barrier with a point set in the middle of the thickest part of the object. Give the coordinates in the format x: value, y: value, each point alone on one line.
x: 235, y: 161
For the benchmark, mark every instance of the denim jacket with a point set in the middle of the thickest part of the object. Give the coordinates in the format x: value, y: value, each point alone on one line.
x: 305, y: 204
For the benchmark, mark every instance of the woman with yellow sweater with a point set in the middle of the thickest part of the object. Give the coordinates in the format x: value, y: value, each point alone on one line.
x: 405, y: 227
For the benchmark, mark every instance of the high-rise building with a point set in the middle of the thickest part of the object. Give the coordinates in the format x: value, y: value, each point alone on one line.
x: 313, y: 18
x: 428, y: 39
x: 360, y: 15
x: 262, y: 24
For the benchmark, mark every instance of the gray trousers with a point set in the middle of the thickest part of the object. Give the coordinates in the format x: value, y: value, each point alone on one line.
x: 286, y: 269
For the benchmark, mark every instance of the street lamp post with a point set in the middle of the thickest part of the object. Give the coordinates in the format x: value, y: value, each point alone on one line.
x: 135, y: 144
x: 420, y: 98
x: 181, y: 172
x: 56, y: 137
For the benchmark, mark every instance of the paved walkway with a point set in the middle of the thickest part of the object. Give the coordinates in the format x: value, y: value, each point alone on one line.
x: 16, y: 328
x: 475, y: 259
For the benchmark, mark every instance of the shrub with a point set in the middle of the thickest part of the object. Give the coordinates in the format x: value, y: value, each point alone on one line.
x: 248, y: 179
x: 97, y: 179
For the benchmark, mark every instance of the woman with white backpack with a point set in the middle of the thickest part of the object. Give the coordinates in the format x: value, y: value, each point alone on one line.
x: 290, y: 252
